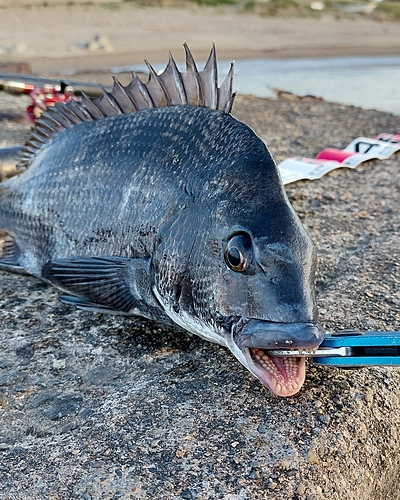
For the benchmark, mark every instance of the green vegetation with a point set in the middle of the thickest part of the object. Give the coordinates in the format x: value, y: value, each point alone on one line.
x: 391, y: 10
x: 69, y: 3
x: 180, y: 3
x: 274, y: 7
x: 110, y: 5
x: 74, y: 4
x: 278, y: 7
x: 249, y: 6
x: 215, y: 2
x: 386, y: 10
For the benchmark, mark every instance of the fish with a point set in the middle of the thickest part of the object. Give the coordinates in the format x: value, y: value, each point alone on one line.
x: 154, y: 201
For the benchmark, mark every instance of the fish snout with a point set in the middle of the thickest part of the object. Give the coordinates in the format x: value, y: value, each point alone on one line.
x: 268, y: 335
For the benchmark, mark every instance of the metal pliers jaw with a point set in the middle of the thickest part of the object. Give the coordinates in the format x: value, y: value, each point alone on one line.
x: 352, y: 349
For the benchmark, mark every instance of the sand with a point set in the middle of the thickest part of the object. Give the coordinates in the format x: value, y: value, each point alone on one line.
x: 52, y: 38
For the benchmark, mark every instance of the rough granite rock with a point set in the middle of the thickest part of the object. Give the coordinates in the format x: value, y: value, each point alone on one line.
x: 100, y: 407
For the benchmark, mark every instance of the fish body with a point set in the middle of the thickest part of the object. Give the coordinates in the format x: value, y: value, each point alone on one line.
x: 174, y: 212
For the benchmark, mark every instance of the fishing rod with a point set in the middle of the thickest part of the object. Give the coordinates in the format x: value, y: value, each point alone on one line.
x: 46, y: 92
x: 25, y: 84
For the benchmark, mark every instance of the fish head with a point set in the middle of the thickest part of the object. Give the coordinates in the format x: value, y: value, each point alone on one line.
x: 267, y: 296
x: 267, y: 282
x: 247, y: 271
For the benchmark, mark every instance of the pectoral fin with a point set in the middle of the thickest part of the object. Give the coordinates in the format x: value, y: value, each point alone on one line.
x: 87, y: 305
x: 101, y: 284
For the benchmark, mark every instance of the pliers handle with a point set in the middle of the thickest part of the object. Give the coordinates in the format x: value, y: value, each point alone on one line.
x: 353, y: 348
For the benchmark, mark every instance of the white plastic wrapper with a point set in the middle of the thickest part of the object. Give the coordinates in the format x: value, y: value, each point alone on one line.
x: 299, y: 167
x: 360, y: 150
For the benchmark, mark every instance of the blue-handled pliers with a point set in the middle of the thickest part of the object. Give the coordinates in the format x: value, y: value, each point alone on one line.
x: 352, y: 348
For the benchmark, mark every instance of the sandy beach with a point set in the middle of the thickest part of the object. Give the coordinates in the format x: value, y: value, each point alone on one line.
x: 59, y: 37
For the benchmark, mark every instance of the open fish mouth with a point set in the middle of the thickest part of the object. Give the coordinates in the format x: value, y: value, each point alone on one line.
x: 253, y: 339
x: 283, y: 376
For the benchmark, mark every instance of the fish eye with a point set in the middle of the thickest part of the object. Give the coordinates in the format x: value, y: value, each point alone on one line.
x: 239, y: 252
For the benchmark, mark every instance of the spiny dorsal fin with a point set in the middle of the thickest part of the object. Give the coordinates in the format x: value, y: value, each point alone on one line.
x: 171, y: 87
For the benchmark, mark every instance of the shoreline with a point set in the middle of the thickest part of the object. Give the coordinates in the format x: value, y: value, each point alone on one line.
x: 122, y: 61
x: 52, y: 39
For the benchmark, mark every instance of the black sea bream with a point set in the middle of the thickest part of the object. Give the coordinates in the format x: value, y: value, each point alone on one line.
x: 154, y: 201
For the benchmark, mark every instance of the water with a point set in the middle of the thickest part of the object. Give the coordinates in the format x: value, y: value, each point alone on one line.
x: 371, y: 82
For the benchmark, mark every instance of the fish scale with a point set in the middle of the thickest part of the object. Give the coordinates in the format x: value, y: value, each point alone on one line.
x: 154, y: 201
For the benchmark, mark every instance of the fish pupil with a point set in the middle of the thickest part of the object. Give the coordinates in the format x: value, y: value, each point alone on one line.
x: 234, y: 257
x: 238, y: 252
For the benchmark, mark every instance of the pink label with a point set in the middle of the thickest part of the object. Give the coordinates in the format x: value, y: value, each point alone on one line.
x: 394, y: 139
x: 333, y: 154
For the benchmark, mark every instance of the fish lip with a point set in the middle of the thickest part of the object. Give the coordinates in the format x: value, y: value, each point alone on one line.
x: 252, y: 333
x: 282, y: 376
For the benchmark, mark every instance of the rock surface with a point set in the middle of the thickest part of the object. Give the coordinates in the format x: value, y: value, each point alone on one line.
x: 99, y: 407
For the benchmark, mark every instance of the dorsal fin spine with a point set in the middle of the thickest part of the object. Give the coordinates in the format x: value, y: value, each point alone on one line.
x: 171, y: 87
x: 55, y: 124
x: 111, y: 100
x: 79, y: 111
x: 225, y: 94
x: 36, y: 137
x: 91, y: 107
x: 48, y: 126
x: 173, y: 83
x: 122, y: 98
x: 192, y: 81
x: 209, y: 80
x: 45, y: 135
x: 68, y: 113
x: 137, y: 91
x: 156, y: 89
